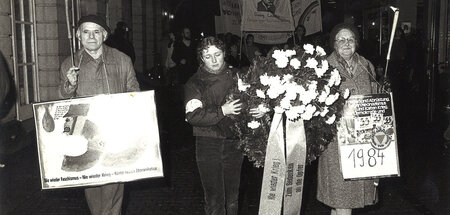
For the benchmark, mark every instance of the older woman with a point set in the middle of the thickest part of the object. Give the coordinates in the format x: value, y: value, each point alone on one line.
x: 218, y: 159
x: 358, y: 75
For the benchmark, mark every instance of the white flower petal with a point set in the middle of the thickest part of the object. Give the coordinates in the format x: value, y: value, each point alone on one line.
x: 331, y: 119
x: 311, y: 63
x: 346, y: 93
x: 309, y: 49
x: 260, y: 94
x: 253, y: 124
x: 295, y: 63
x: 320, y: 51
x: 242, y: 86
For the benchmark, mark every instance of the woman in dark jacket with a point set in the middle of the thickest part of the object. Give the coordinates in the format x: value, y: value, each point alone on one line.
x: 218, y: 159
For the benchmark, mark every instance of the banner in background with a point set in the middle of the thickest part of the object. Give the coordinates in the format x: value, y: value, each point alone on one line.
x: 367, y: 137
x: 267, y: 16
x: 230, y: 17
x: 308, y: 13
x: 98, y: 140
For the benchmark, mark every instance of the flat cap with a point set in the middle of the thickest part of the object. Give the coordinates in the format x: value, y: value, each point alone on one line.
x: 95, y: 19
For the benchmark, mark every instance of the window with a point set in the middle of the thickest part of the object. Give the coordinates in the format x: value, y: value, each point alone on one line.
x: 25, y: 56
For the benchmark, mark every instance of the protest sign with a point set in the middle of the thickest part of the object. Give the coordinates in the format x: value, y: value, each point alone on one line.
x: 98, y: 140
x: 367, y: 137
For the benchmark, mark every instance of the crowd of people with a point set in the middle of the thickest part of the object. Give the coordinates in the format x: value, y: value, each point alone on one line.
x: 205, y: 68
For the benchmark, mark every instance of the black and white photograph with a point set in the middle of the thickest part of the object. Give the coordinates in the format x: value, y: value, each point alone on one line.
x: 224, y: 107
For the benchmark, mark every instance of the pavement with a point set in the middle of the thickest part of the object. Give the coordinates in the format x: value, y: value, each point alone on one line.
x: 423, y: 187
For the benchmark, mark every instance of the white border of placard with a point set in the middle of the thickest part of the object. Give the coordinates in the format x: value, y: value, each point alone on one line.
x: 367, y: 138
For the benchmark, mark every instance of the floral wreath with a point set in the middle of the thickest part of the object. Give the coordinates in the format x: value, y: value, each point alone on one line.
x: 298, y: 82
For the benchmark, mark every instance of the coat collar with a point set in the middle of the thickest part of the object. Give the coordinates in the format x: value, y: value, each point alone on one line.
x: 336, y: 60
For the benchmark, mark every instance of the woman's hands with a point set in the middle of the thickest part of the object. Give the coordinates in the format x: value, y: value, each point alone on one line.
x: 257, y: 113
x: 232, y: 108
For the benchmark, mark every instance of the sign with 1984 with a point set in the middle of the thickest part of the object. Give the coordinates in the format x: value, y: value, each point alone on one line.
x: 367, y: 138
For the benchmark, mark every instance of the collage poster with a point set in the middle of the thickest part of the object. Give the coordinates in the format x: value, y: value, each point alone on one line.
x: 367, y: 138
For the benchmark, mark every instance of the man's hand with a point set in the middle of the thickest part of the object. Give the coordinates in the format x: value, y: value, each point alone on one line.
x: 183, y: 61
x: 72, y: 75
x: 231, y: 108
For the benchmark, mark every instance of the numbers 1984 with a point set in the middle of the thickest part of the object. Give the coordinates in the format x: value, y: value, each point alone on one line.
x: 371, y: 157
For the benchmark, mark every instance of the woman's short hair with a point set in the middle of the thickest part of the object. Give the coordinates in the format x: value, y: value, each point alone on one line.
x: 207, y: 42
x: 341, y: 26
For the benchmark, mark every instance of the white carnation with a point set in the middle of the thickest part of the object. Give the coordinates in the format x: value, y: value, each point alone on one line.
x: 309, y: 49
x: 295, y: 112
x: 311, y: 63
x: 320, y: 51
x: 324, y: 112
x: 265, y: 80
x: 242, y: 86
x: 291, y: 91
x: 253, y: 124
x: 331, y: 119
x: 287, y: 78
x: 331, y: 99
x: 295, y: 63
x: 260, y: 94
x: 277, y: 54
x: 323, y: 95
x: 285, y: 103
x: 289, y: 53
x: 282, y: 62
x: 308, y: 114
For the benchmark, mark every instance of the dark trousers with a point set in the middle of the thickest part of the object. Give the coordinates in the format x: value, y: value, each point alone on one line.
x: 219, y: 163
x: 105, y: 199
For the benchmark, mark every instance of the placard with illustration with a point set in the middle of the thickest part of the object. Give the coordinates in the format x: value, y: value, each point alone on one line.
x: 98, y: 140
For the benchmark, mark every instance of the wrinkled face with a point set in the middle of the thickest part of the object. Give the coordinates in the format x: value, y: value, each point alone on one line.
x: 213, y: 58
x: 91, y: 36
x: 345, y: 43
x: 186, y: 33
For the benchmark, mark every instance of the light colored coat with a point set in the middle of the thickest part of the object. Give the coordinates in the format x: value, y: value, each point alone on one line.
x: 332, y: 190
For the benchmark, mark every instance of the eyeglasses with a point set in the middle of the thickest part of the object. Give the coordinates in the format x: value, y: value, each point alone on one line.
x: 342, y: 41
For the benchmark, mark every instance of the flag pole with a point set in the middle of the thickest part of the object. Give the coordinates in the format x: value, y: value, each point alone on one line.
x: 394, y: 26
x: 69, y: 33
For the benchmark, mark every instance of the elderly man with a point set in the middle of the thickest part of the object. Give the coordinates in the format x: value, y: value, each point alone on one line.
x: 98, y: 69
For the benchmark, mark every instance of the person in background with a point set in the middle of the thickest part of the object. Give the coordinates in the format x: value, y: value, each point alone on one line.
x: 169, y: 63
x: 358, y: 75
x: 184, y: 56
x: 298, y: 38
x: 120, y: 40
x: 99, y: 69
x: 250, y: 49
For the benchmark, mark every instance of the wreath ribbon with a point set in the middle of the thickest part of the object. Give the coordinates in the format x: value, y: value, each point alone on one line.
x: 283, y: 169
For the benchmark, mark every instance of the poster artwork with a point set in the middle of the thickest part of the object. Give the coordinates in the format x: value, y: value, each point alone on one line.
x: 97, y: 140
x: 367, y: 137
x: 267, y: 15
